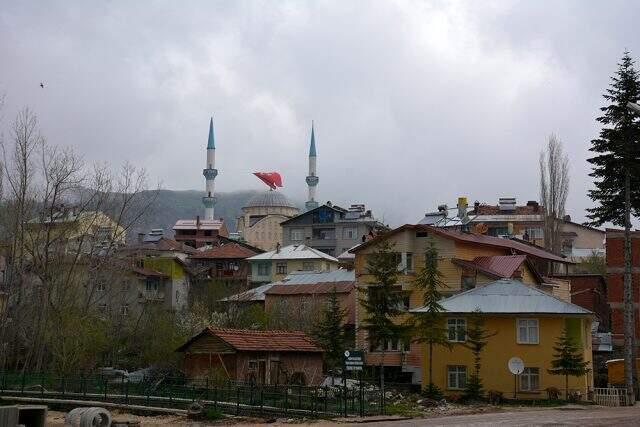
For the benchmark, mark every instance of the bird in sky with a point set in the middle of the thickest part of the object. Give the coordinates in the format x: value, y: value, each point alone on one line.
x: 42, y: 85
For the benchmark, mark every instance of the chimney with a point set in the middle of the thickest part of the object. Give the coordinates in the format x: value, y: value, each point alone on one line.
x: 278, y: 247
x: 533, y: 204
x: 329, y: 203
x: 517, y: 274
x: 476, y: 207
x: 198, y: 222
x: 567, y: 218
x: 141, y: 237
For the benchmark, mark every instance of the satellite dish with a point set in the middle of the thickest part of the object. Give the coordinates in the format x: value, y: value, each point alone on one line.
x: 482, y: 228
x: 516, y: 365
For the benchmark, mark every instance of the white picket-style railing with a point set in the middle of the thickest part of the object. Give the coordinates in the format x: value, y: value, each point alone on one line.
x: 610, y: 396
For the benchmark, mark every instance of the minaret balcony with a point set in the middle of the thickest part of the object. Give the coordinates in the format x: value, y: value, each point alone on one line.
x: 209, y: 202
x: 210, y: 174
x: 311, y: 204
x: 312, y: 180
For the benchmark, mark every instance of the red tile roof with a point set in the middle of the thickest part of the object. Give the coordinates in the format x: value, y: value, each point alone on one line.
x: 226, y: 251
x: 312, y: 288
x: 164, y: 244
x: 148, y: 272
x: 251, y: 340
x: 504, y: 266
x: 519, y: 210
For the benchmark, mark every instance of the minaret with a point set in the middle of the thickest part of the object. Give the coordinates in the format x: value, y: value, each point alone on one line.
x: 210, y: 173
x: 312, y: 179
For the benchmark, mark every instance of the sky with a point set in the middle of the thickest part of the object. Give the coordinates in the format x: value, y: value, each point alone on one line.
x: 414, y: 102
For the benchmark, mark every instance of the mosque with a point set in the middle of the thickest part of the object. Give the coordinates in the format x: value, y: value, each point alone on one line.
x: 259, y: 223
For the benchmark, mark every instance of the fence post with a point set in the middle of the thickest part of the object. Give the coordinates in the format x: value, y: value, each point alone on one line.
x: 237, y: 400
x: 22, y: 383
x: 193, y: 392
x: 148, y: 390
x: 106, y: 384
x: 326, y: 398
x: 62, y: 384
x: 286, y: 400
x: 42, y: 381
x: 206, y: 396
x: 126, y: 392
x: 215, y: 397
x: 261, y: 399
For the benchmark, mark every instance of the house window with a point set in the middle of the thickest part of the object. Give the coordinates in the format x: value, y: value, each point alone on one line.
x: 102, y: 308
x: 530, y: 379
x: 152, y: 285
x: 124, y: 310
x: 457, y: 330
x: 263, y: 269
x: 534, y: 232
x: 297, y: 234
x: 409, y: 261
x: 281, y: 268
x: 456, y: 377
x: 422, y: 234
x: 527, y: 331
x: 350, y: 233
x: 468, y: 281
x: 308, y: 266
x: 498, y: 231
x: 101, y: 287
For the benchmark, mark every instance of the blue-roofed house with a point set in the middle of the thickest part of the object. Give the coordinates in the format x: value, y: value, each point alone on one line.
x: 526, y: 323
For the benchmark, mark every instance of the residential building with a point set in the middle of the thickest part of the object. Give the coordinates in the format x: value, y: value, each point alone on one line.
x: 275, y: 265
x: 259, y: 224
x: 615, y: 283
x: 330, y: 228
x: 226, y: 263
x: 525, y: 222
x: 255, y: 357
x: 202, y: 232
x: 199, y: 232
x: 524, y: 322
x: 590, y: 291
x: 72, y: 230
x: 466, y: 260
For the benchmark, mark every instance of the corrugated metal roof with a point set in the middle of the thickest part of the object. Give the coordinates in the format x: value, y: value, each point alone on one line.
x: 311, y: 289
x: 504, y: 266
x: 192, y: 224
x: 295, y: 278
x: 508, y: 296
x: 294, y: 252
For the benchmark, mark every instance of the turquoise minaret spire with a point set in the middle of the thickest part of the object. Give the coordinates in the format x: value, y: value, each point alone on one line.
x: 210, y: 172
x: 312, y: 178
x: 211, y: 145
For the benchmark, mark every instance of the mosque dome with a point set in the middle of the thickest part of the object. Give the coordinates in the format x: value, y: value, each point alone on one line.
x: 270, y: 198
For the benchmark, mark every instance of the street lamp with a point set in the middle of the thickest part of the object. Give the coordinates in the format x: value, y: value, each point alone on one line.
x: 633, y: 106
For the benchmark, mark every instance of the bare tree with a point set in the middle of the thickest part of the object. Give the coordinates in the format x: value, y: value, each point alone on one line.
x: 554, y: 189
x: 61, y: 225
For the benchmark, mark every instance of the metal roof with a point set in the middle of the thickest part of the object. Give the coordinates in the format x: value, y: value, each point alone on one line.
x: 270, y: 198
x: 295, y: 278
x: 211, y: 142
x: 192, y: 224
x: 508, y: 296
x: 294, y: 252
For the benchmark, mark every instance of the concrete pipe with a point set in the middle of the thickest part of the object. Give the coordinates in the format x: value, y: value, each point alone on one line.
x: 88, y: 417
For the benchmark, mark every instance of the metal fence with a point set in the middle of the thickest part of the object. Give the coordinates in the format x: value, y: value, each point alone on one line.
x: 232, y: 398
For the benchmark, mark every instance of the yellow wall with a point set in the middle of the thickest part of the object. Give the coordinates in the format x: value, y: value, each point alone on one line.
x: 494, y: 372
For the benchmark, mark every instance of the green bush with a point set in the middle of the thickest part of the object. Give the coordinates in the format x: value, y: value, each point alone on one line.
x: 213, y: 414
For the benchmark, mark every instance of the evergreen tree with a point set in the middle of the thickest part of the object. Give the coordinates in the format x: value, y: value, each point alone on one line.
x: 328, y: 332
x: 616, y: 173
x: 382, y: 302
x: 476, y: 340
x: 428, y: 324
x: 567, y: 360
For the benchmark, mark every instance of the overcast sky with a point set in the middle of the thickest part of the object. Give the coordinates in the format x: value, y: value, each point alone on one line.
x: 415, y: 103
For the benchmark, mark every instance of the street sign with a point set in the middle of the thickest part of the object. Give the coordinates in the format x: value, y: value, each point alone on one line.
x: 353, y: 360
x: 516, y: 365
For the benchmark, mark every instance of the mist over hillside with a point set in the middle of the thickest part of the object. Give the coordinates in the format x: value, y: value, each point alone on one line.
x: 170, y: 206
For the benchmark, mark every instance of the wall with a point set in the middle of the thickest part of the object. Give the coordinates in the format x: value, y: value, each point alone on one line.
x: 615, y: 282
x: 501, y: 347
x: 177, y: 295
x: 292, y: 265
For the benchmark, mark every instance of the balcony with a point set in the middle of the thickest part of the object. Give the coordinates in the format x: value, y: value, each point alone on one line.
x: 321, y: 243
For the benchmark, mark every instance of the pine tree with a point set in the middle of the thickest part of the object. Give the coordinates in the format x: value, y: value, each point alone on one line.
x: 567, y: 360
x: 476, y: 340
x: 427, y: 325
x: 616, y: 173
x: 328, y: 332
x: 382, y: 302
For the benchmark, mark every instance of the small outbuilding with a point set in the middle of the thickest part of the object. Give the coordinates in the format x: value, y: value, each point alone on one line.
x: 255, y: 357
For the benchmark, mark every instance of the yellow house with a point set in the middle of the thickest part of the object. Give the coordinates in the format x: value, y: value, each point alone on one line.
x: 277, y: 264
x: 527, y: 323
x: 466, y: 260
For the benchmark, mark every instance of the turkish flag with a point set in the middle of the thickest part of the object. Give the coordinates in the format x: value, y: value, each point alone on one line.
x: 272, y: 179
